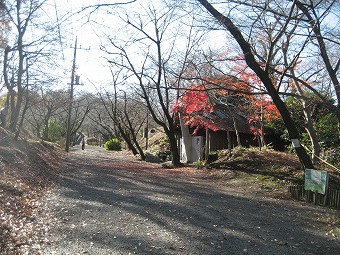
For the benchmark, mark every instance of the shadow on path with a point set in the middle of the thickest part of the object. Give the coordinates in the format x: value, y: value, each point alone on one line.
x: 109, y: 203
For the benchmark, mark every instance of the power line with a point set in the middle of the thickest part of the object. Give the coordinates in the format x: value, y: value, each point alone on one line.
x: 59, y: 30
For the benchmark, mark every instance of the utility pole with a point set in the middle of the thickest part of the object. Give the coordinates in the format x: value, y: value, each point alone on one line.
x: 74, y: 81
x: 68, y: 129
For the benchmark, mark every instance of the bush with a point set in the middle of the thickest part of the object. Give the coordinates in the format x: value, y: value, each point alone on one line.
x: 113, y: 145
x: 199, y: 164
x: 55, y: 130
x: 332, y: 156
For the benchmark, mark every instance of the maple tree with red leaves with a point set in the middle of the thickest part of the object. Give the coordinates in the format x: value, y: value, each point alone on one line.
x: 198, y: 100
x: 194, y: 104
x: 194, y: 99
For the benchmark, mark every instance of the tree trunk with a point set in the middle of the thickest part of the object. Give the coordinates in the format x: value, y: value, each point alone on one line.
x: 16, y: 102
x: 237, y: 133
x: 46, y: 122
x: 133, y: 131
x: 4, y: 112
x: 262, y: 139
x: 140, y: 150
x: 21, y: 122
x: 176, y: 158
x: 15, y: 111
x: 127, y: 140
x: 264, y: 77
x: 316, y: 150
x: 229, y: 141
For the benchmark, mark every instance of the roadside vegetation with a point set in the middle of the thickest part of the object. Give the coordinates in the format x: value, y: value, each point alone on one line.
x: 113, y: 145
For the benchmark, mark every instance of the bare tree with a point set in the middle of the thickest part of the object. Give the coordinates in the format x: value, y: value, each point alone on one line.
x: 22, y: 52
x: 82, y: 105
x: 315, y: 12
x: 151, y: 33
x: 100, y: 121
x: 126, y: 114
x: 265, y: 77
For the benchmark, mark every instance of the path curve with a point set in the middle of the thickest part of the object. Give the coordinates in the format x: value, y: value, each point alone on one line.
x: 109, y: 203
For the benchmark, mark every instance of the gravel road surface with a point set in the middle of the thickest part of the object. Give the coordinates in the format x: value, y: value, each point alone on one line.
x: 111, y: 203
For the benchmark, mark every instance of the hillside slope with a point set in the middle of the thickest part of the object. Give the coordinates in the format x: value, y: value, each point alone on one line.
x: 266, y: 170
x: 25, y: 174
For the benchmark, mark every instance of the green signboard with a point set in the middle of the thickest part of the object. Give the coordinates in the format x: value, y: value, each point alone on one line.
x: 316, y: 180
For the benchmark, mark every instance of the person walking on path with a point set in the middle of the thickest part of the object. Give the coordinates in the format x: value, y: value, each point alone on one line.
x: 83, y: 143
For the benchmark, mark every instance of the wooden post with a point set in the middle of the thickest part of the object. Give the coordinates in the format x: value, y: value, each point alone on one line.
x: 207, y: 144
x: 68, y: 129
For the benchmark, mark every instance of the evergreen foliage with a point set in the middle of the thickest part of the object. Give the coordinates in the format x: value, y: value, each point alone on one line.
x: 55, y: 130
x: 113, y: 145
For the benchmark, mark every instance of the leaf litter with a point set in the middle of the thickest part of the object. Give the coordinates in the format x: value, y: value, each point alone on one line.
x: 26, y: 169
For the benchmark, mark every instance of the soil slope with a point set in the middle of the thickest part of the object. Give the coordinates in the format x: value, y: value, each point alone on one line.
x: 26, y: 169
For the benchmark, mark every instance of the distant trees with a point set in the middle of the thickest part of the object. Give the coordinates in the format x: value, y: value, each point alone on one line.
x: 44, y: 109
x: 280, y: 52
x: 27, y: 46
x: 127, y: 113
x: 99, y: 121
x: 47, y: 114
x: 152, y: 35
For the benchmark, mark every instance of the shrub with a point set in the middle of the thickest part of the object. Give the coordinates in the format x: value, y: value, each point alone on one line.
x: 199, y: 164
x: 332, y: 156
x: 55, y: 130
x: 113, y: 145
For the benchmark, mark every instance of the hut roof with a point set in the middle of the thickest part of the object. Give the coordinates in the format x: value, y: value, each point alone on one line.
x: 221, y: 118
x: 223, y: 115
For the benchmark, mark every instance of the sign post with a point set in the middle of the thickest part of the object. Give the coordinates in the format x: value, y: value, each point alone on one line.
x: 316, y: 181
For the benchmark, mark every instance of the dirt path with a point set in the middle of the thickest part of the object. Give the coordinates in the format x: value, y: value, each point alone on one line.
x: 108, y: 203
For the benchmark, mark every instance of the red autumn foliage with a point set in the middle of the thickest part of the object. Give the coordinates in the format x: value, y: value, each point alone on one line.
x: 194, y: 104
x: 241, y: 86
x: 194, y: 99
